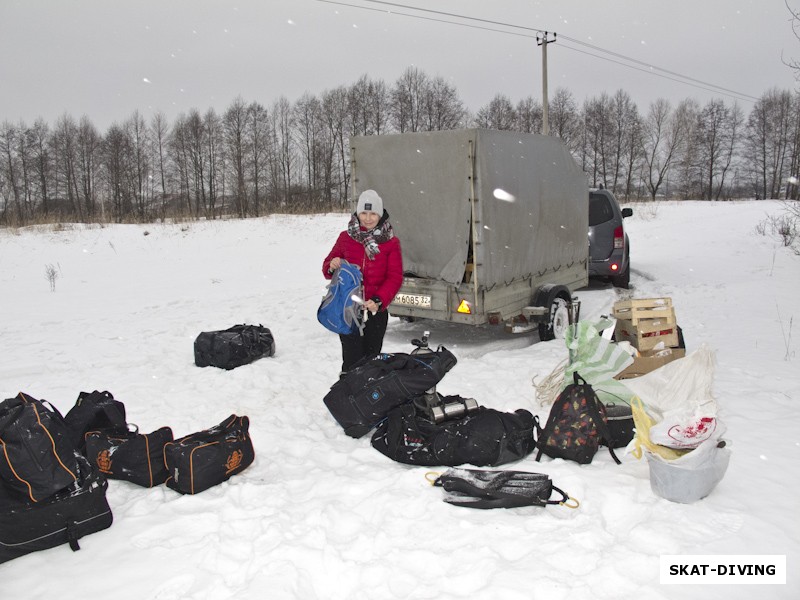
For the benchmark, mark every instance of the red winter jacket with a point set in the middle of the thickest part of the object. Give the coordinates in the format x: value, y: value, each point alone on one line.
x: 383, y: 276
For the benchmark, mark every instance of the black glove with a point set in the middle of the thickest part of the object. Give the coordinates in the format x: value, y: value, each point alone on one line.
x: 497, y: 489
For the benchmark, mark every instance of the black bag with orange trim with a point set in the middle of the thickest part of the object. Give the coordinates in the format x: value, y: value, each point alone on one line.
x: 37, y: 455
x: 63, y: 518
x: 204, y: 459
x: 95, y: 411
x: 132, y: 456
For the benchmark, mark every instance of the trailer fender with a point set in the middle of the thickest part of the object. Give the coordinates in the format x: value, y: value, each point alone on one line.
x: 558, y: 314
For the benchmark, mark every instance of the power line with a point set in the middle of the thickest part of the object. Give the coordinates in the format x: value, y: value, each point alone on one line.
x: 650, y: 68
x: 400, y: 14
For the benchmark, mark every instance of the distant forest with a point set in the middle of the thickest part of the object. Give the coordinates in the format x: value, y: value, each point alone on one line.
x: 253, y: 160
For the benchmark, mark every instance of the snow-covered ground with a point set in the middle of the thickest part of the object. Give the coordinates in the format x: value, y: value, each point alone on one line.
x: 321, y: 515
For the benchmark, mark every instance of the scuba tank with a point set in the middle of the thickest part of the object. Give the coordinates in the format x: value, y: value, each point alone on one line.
x: 435, y: 407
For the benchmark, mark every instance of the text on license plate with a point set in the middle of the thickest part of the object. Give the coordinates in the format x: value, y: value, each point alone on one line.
x: 416, y: 300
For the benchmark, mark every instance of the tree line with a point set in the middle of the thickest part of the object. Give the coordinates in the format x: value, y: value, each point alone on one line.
x: 253, y: 159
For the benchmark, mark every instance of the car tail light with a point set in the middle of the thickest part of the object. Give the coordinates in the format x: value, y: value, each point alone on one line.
x: 614, y: 267
x: 619, y: 238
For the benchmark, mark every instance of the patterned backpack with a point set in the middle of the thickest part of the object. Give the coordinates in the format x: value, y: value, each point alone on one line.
x: 576, y: 425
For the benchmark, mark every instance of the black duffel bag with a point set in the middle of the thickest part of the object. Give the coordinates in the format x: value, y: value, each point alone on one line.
x: 204, y: 459
x: 130, y: 455
x: 364, y: 395
x: 95, y: 411
x: 233, y: 347
x: 63, y: 518
x: 483, y: 437
x: 37, y: 458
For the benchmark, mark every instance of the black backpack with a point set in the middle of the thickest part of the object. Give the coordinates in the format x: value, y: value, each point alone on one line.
x: 37, y: 454
x: 576, y: 425
x: 483, y: 437
x: 230, y: 348
x: 364, y: 395
x: 95, y: 411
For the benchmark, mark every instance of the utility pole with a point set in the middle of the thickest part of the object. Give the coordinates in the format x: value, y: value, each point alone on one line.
x: 542, y: 40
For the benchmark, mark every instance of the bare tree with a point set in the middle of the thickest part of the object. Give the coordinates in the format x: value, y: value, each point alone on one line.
x: 626, y: 129
x: 770, y: 128
x: 65, y: 147
x: 235, y: 135
x: 529, y: 115
x: 216, y: 158
x: 258, y: 143
x: 664, y: 136
x: 88, y: 146
x: 9, y: 135
x: 598, y: 136
x: 498, y: 114
x: 335, y: 110
x: 284, y: 156
x: 159, y: 131
x: 369, y: 106
x: 116, y: 154
x: 716, y: 137
x: 443, y: 108
x: 564, y: 119
x: 39, y: 136
x: 312, y: 141
x: 408, y: 100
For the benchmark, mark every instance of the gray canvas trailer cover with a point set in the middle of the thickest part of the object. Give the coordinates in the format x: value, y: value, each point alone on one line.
x: 489, y: 217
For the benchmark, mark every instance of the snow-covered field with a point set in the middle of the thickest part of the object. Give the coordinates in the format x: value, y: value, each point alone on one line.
x: 321, y: 515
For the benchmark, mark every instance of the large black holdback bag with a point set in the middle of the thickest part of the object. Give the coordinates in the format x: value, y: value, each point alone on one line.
x: 130, y: 455
x: 37, y: 456
x: 63, y: 518
x: 233, y: 347
x: 202, y: 460
x: 364, y: 395
x: 95, y: 411
x: 484, y: 437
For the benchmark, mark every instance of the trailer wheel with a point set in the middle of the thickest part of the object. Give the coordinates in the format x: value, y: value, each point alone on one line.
x: 558, y: 299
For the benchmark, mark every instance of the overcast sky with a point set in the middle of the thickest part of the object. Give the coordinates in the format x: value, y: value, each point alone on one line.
x: 107, y: 58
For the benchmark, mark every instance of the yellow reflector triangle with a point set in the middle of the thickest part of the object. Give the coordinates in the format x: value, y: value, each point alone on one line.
x: 464, y: 307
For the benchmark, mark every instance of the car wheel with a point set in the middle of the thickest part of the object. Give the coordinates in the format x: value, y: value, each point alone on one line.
x: 623, y: 280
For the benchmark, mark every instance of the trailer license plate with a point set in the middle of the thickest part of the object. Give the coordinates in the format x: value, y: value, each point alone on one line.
x: 415, y: 300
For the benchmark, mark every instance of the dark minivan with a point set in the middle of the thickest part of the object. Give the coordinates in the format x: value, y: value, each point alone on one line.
x: 609, y: 248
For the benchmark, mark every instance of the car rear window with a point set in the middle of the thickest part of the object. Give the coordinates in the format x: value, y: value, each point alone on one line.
x: 600, y: 209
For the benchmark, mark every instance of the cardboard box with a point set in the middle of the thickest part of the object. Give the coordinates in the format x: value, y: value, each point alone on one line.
x: 650, y: 361
x: 647, y: 334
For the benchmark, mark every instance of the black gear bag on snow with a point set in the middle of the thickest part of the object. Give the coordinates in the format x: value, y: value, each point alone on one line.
x: 576, y: 425
x: 130, y: 455
x: 37, y: 454
x: 233, y: 347
x: 204, y: 459
x: 62, y: 518
x: 484, y: 437
x: 95, y: 411
x: 365, y: 394
x: 498, y: 489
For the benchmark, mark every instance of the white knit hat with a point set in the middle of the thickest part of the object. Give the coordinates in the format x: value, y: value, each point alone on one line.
x: 369, y: 201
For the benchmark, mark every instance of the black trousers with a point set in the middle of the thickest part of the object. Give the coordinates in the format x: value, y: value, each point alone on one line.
x: 355, y: 347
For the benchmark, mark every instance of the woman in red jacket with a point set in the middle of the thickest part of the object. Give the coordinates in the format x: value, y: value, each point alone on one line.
x: 370, y: 244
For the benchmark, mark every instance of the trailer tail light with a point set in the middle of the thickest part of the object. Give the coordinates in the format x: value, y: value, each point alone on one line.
x: 464, y: 308
x: 619, y: 238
